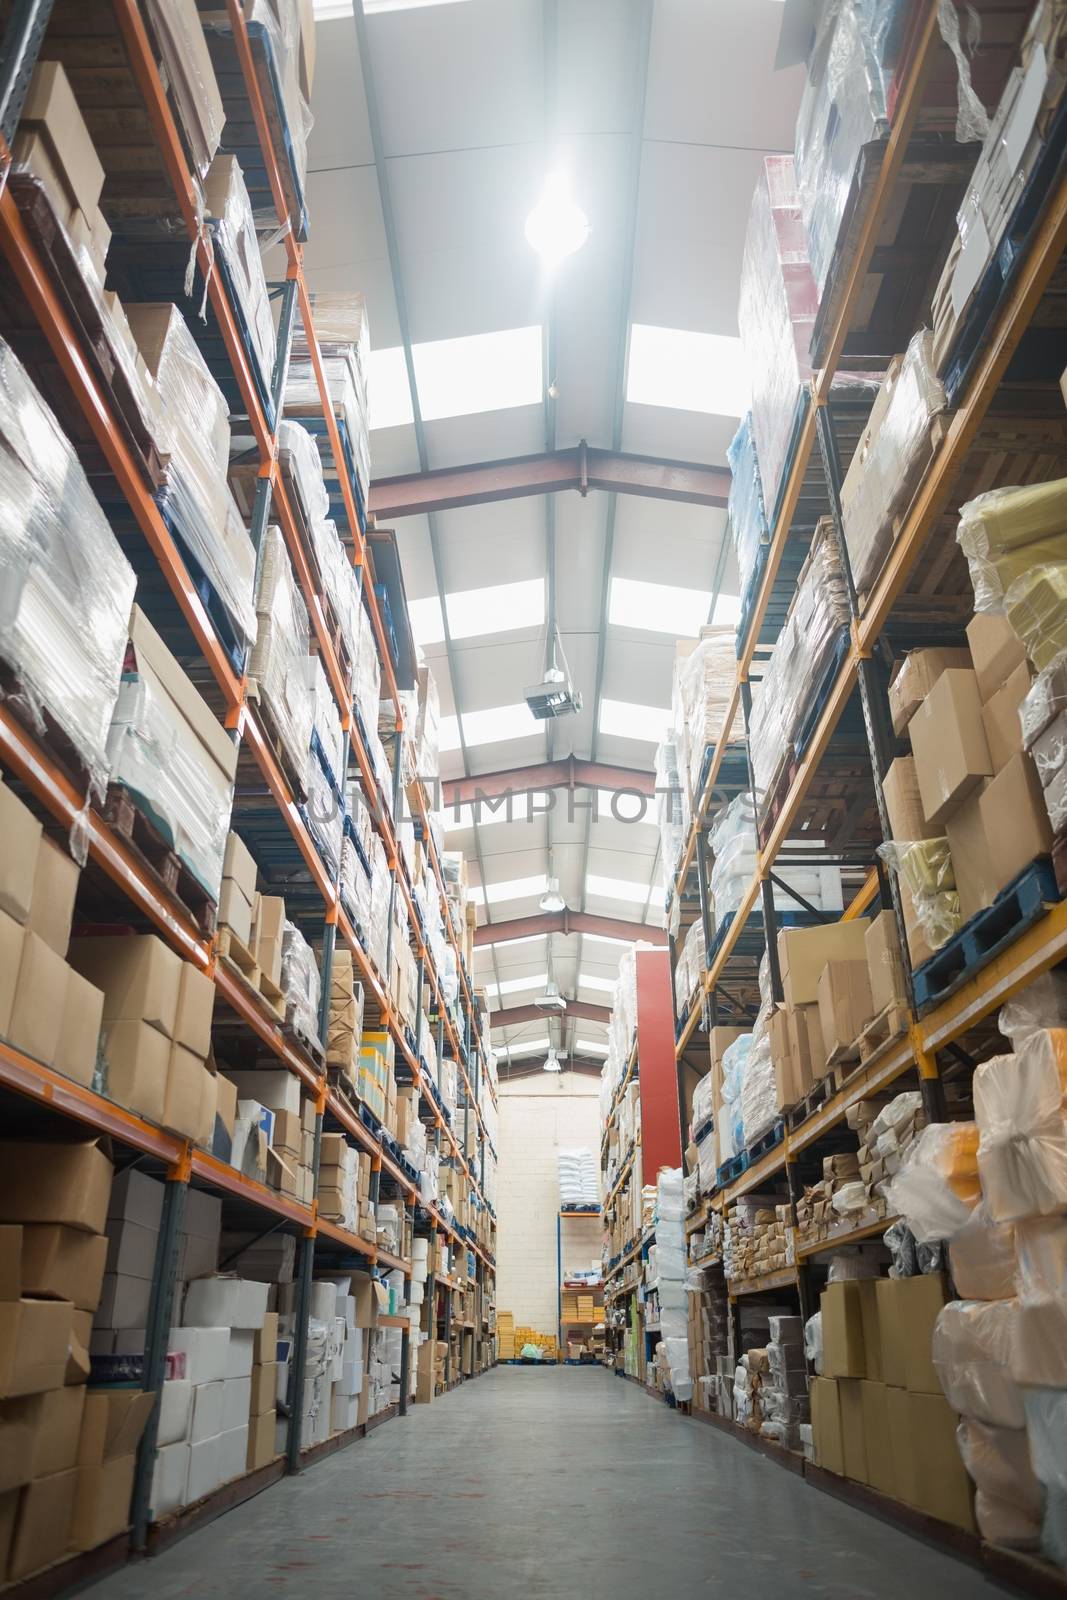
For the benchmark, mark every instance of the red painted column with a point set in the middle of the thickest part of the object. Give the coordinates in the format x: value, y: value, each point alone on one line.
x: 657, y: 1070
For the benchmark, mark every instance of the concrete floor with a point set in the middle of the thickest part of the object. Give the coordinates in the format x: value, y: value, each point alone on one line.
x: 550, y: 1486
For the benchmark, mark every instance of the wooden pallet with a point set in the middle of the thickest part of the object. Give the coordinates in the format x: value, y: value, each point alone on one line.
x: 272, y: 995
x: 1014, y: 910
x: 237, y: 956
x: 160, y: 861
x: 891, y: 1023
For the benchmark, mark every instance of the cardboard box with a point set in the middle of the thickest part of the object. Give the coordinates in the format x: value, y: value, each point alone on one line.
x: 20, y: 842
x: 264, y: 1386
x: 885, y: 965
x: 900, y: 790
x: 278, y: 1090
x: 135, y: 1197
x: 123, y: 1301
x: 872, y: 1332
x: 239, y: 866
x: 265, y: 1341
x: 10, y: 1262
x: 40, y: 1434
x: 205, y: 1468
x: 826, y: 1425
x: 139, y: 974
x: 786, y: 1075
x: 34, y: 1342
x: 225, y: 1302
x: 131, y: 1248
x: 843, y: 1353
x: 287, y: 1133
x: 853, y: 1434
x: 55, y: 885
x: 102, y: 1502
x: 12, y: 934
x: 40, y: 994
x: 877, y: 1437
x: 969, y: 849
x: 806, y: 1043
x: 996, y: 651
x: 907, y: 1311
x: 927, y: 1467
x: 914, y: 679
x: 196, y: 1005
x: 50, y: 107
x: 43, y: 1182
x: 138, y: 1062
x: 949, y: 744
x: 804, y: 952
x: 184, y: 1093
x: 170, y: 1479
x: 845, y: 1005
x: 205, y: 1351
x: 1015, y: 820
x: 61, y: 1263
x: 1000, y: 718
x: 235, y: 911
x: 260, y: 1441
x: 42, y: 1524
x: 78, y: 1046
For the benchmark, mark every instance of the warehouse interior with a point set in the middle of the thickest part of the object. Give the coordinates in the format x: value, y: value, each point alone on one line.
x: 533, y: 796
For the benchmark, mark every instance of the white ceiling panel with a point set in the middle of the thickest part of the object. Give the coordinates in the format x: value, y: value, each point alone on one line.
x: 666, y: 542
x: 486, y: 436
x: 678, y: 435
x: 502, y: 542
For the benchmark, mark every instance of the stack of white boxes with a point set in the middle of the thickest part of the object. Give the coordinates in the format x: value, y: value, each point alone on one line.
x: 132, y: 1232
x: 334, y: 1374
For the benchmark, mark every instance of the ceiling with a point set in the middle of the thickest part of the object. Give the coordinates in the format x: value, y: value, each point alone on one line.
x: 660, y: 111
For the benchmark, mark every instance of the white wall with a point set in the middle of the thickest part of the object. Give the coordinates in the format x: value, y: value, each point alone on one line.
x: 539, y: 1116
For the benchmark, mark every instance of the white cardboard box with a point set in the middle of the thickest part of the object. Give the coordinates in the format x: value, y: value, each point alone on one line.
x: 170, y: 1479
x: 236, y: 1403
x: 225, y: 1302
x: 204, y: 1467
x: 205, y: 1352
x: 137, y: 1197
x: 233, y: 1453
x: 344, y: 1411
x: 207, y: 1411
x: 123, y: 1301
x: 131, y: 1248
x: 241, y: 1353
x: 175, y: 1411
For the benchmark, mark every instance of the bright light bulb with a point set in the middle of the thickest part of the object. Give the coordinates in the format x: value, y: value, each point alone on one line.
x: 552, y: 900
x: 556, y: 227
x: 552, y: 1063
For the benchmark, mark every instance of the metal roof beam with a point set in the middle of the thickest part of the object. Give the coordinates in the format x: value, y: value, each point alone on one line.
x: 541, y: 776
x: 566, y: 922
x: 581, y: 468
x: 512, y: 1016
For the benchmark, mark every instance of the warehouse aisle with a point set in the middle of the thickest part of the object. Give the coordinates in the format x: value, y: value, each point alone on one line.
x: 546, y: 1485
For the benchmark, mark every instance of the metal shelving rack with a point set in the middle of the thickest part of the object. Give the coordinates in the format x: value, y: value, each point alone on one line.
x: 45, y: 1092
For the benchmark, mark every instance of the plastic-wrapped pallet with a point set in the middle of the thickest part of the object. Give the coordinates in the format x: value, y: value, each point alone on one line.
x: 192, y: 432
x: 1009, y: 535
x: 300, y: 984
x: 759, y: 1102
x: 690, y: 967
x: 730, y: 1122
x: 229, y: 217
x: 672, y: 807
x: 733, y: 842
x: 578, y: 1184
x: 325, y: 718
x: 279, y: 21
x: 65, y: 587
x: 190, y: 77
x: 803, y: 654
x: 344, y: 347
x: 925, y: 869
x: 749, y: 528
x: 703, y: 684
x: 279, y: 660
x: 671, y: 1273
x: 1020, y: 1106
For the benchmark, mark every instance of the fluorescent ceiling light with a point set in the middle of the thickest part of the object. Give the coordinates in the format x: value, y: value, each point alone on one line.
x: 616, y: 889
x: 485, y: 813
x: 457, y: 377
x: 586, y: 980
x: 687, y: 371
x: 488, y: 727
x: 514, y: 985
x: 631, y: 721
x: 507, y: 889
x: 557, y: 226
x: 658, y: 607
x: 594, y: 1048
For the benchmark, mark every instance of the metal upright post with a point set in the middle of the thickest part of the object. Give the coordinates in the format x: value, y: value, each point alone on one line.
x: 157, y: 1336
x: 398, y: 757
x: 559, y: 1281
x: 405, y: 1348
x: 418, y: 1006
x: 700, y: 847
x: 303, y: 1308
x: 770, y: 921
x: 448, y: 1333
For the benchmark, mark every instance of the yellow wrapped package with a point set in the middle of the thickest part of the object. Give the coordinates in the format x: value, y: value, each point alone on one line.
x: 925, y: 870
x: 1036, y: 606
x: 1003, y: 519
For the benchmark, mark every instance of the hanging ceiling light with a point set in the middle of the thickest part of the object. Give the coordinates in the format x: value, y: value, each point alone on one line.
x: 552, y: 900
x: 556, y: 227
x: 551, y: 1000
x: 551, y: 1063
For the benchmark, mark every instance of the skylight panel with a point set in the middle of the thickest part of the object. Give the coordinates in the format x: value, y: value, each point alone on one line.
x: 526, y: 1048
x: 516, y: 985
x: 507, y: 889
x: 388, y: 390
x: 586, y: 980
x: 497, y: 608
x: 624, y: 805
x: 658, y: 607
x: 486, y: 812
x: 606, y: 938
x: 631, y: 721
x: 328, y: 10
x: 488, y: 727
x: 427, y: 622
x: 727, y: 609
x: 590, y: 1047
x: 480, y: 372
x: 616, y: 889
x: 687, y: 371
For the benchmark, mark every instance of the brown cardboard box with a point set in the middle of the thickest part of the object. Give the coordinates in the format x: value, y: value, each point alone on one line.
x: 288, y: 1133
x: 805, y: 1038
x: 971, y: 862
x: 102, y: 1502
x: 804, y: 952
x: 907, y: 1311
x: 40, y: 1434
x: 42, y: 1525
x: 50, y: 107
x: 138, y: 1062
x: 853, y: 1434
x: 79, y: 1033
x: 260, y: 1441
x: 842, y: 1331
x: 264, y: 1388
x: 209, y: 1093
x: 949, y: 744
x: 826, y: 1425
x: 1000, y: 718
x: 140, y: 977
x: 37, y: 1010
x: 34, y: 1340
x: 184, y: 1093
x: 996, y: 651
x: 877, y: 1438
x: 927, y: 1466
x: 885, y: 966
x: 113, y: 1423
x: 914, y: 679
x: 55, y: 885
x: 866, y: 1288
x: 62, y: 1263
x: 196, y: 1005
x: 845, y: 1005
x: 44, y: 1182
x: 919, y: 947
x: 1015, y: 820
x: 235, y: 910
x: 20, y: 841
x: 786, y: 1075
x: 10, y: 1262
x: 239, y: 865
x: 265, y: 1344
x: 12, y: 934
x: 900, y: 790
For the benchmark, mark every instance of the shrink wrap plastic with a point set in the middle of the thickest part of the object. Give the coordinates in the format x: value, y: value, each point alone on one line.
x: 817, y: 615
x: 703, y: 1105
x: 731, y: 1121
x: 1036, y: 606
x: 66, y: 589
x: 325, y: 819
x: 690, y: 968
x: 340, y: 583
x: 305, y: 469
x: 925, y: 866
x: 325, y: 718
x: 1006, y: 533
x: 344, y: 348
x: 813, y: 1341
x: 280, y: 21
x: 1045, y: 699
x: 884, y: 470
x: 229, y: 217
x: 190, y: 77
x: 749, y: 527
x: 759, y: 1101
x: 703, y: 684
x: 972, y: 1351
x: 672, y: 808
x: 1008, y: 1497
x: 937, y: 1186
x: 1019, y: 1108
x: 279, y: 660
x: 300, y: 982
x: 366, y: 687
x: 733, y: 842
x: 982, y: 1257
x: 1041, y: 1251
x: 1046, y: 1426
x: 1042, y: 1004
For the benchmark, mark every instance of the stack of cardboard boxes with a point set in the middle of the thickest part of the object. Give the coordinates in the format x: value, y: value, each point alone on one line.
x: 344, y: 1185
x: 758, y: 1238
x: 878, y: 1412
x: 238, y: 893
x: 274, y: 1131
x: 53, y: 143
